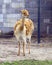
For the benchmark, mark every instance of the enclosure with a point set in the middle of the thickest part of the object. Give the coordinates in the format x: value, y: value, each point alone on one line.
x: 41, y: 14
x: 39, y: 11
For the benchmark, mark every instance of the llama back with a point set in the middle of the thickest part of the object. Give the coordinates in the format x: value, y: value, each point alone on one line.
x: 28, y: 23
x: 29, y: 26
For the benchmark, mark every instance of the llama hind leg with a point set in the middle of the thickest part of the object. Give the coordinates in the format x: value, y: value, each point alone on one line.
x: 29, y: 46
x: 17, y: 37
x: 29, y: 42
x: 24, y: 46
x: 18, y: 48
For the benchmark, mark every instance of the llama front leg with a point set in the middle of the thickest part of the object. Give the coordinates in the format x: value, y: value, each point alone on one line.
x: 18, y: 48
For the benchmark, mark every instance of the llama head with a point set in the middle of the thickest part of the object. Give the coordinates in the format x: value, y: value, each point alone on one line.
x: 25, y: 12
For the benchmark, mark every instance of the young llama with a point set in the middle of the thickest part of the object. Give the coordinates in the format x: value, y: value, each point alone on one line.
x: 23, y: 30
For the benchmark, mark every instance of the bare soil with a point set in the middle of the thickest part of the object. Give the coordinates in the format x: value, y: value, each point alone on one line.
x: 9, y: 48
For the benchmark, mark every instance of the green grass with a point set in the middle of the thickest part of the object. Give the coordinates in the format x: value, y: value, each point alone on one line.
x: 27, y: 62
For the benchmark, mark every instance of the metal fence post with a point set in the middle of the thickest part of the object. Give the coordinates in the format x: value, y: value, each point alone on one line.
x: 38, y: 21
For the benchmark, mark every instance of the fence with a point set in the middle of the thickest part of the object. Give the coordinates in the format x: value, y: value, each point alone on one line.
x: 10, y: 13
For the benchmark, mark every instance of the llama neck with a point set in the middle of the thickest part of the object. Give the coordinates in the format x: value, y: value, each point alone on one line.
x: 23, y: 19
x: 22, y: 25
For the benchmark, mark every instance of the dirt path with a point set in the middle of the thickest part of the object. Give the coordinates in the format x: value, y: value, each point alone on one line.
x: 8, y: 51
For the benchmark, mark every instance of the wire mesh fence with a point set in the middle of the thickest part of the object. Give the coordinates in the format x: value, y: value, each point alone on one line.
x: 10, y: 13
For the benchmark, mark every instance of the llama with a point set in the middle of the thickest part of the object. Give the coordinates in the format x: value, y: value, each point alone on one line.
x: 23, y: 29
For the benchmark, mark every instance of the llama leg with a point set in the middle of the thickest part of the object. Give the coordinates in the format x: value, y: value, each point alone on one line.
x: 24, y: 46
x: 29, y: 46
x: 29, y: 42
x: 18, y: 49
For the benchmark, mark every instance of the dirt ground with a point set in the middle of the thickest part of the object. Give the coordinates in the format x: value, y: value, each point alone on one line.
x: 9, y: 48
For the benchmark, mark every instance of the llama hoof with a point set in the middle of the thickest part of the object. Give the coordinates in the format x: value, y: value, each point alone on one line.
x: 18, y: 54
x: 29, y: 52
x: 23, y: 54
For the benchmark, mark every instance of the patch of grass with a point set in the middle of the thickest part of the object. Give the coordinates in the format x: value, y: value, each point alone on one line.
x: 28, y: 62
